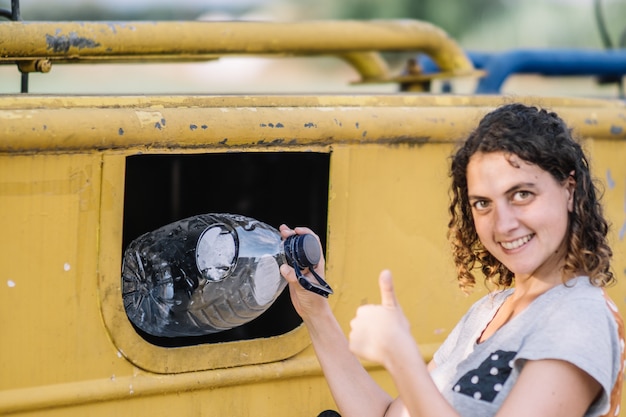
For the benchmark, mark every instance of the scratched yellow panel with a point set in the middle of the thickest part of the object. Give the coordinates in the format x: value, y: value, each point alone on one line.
x: 61, y: 227
x: 388, y: 209
x: 48, y: 305
x: 608, y: 160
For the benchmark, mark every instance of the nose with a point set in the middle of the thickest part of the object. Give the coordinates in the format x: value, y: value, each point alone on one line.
x: 505, y: 218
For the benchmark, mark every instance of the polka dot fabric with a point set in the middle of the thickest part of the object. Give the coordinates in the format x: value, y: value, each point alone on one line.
x: 485, y: 382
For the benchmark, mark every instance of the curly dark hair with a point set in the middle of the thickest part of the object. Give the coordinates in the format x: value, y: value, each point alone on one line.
x: 542, y: 138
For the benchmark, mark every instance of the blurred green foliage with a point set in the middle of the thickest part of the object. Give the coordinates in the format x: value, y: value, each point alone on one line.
x: 456, y: 16
x: 93, y: 11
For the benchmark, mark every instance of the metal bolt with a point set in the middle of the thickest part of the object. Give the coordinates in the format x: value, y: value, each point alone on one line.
x: 43, y: 65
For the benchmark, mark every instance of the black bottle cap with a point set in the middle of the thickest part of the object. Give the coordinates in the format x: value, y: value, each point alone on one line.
x: 309, y: 250
x: 302, y: 251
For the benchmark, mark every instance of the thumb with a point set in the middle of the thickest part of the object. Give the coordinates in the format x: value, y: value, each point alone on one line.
x: 387, y: 294
x: 288, y: 273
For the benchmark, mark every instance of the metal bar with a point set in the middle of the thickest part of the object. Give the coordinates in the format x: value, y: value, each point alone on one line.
x: 15, y: 10
x: 50, y: 124
x: 24, y: 83
x: 15, y: 15
x: 140, y: 41
x: 106, y: 390
x: 553, y: 62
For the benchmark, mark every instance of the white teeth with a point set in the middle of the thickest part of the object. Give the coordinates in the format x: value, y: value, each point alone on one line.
x: 516, y: 243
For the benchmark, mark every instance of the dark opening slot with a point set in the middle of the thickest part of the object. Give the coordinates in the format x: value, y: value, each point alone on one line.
x: 275, y: 188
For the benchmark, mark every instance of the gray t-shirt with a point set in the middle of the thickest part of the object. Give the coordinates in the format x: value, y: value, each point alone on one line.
x: 570, y: 322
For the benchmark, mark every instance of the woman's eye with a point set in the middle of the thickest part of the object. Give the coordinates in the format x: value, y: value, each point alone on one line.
x: 480, y: 205
x: 521, y: 195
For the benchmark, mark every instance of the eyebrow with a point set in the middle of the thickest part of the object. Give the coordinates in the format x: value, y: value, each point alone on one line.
x: 514, y: 188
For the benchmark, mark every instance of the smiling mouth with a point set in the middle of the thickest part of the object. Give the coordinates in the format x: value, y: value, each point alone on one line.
x: 514, y: 244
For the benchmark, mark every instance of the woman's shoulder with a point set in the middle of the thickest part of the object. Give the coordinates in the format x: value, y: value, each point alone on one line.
x: 577, y: 299
x: 578, y: 289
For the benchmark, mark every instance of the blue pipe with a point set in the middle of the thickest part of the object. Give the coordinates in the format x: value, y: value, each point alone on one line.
x: 548, y: 62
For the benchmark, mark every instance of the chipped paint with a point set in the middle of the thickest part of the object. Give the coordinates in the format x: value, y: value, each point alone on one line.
x: 616, y: 130
x: 148, y: 118
x: 160, y: 124
x: 13, y: 115
x: 622, y: 232
x: 274, y: 142
x: 113, y: 26
x: 609, y: 180
x: 63, y: 43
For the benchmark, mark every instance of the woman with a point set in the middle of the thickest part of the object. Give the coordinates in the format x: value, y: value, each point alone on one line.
x: 546, y: 341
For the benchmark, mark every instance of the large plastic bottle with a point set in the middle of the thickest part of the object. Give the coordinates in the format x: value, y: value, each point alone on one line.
x: 209, y: 273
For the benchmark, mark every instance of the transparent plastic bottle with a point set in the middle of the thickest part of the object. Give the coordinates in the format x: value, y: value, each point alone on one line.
x: 208, y: 273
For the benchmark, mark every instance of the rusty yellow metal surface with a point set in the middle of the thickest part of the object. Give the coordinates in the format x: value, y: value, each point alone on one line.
x: 68, y: 349
x: 38, y: 45
x: 43, y: 123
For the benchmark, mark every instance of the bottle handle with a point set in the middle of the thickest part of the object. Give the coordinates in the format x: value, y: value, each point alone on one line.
x: 322, y: 288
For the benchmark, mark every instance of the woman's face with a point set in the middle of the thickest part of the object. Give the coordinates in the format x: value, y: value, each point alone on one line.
x: 520, y: 213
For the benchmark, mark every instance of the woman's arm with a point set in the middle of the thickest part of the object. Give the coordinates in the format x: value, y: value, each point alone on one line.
x: 355, y: 392
x: 550, y: 387
x: 545, y: 388
x: 381, y: 333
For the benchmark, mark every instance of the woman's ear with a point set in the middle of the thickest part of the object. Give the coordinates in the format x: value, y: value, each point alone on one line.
x: 570, y: 187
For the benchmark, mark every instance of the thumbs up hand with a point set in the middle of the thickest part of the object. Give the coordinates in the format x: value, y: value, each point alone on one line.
x: 378, y: 329
x: 387, y: 293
